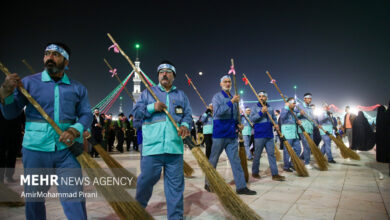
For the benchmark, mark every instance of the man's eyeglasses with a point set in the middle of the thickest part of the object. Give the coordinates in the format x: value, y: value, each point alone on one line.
x: 54, y: 53
x: 165, y: 71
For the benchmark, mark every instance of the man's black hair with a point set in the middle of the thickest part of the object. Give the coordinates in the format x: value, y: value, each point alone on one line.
x: 308, y: 93
x: 170, y: 63
x: 64, y: 46
x: 278, y: 111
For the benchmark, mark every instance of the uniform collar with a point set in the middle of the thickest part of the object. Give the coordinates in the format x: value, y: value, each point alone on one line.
x: 46, y: 78
x: 163, y: 89
x: 225, y: 94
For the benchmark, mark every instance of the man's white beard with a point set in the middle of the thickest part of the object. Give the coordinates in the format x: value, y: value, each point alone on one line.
x: 226, y: 89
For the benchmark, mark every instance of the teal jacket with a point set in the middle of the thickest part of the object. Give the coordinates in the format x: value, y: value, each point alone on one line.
x: 159, y: 134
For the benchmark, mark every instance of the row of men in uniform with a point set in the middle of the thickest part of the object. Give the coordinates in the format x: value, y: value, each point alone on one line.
x: 66, y: 101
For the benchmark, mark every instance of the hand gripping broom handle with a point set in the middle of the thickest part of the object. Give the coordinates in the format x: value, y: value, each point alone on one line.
x: 193, y: 86
x: 143, y: 80
x: 284, y: 99
x: 34, y: 103
x: 119, y: 80
x: 269, y: 116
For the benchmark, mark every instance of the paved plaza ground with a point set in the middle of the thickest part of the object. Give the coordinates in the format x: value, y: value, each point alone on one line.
x: 349, y: 190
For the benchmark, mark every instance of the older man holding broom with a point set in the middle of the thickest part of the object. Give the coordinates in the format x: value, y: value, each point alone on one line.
x: 162, y: 144
x: 45, y: 152
x: 225, y: 123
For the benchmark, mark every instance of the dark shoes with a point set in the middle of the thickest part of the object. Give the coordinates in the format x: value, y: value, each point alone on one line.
x: 207, y: 188
x: 278, y: 178
x: 246, y: 191
x: 288, y: 170
x: 332, y: 161
x: 256, y: 176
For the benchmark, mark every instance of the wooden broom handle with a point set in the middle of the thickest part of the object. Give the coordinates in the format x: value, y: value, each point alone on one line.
x: 34, y: 103
x: 193, y: 86
x: 119, y: 80
x: 143, y: 80
x: 284, y: 99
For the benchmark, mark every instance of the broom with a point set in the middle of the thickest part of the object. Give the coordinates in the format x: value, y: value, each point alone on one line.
x: 122, y: 202
x: 319, y: 157
x: 278, y: 155
x: 229, y: 199
x: 298, y: 165
x: 9, y: 198
x: 345, y: 151
x: 188, y: 171
x: 241, y: 151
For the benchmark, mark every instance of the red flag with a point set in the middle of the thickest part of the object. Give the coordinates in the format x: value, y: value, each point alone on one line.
x: 189, y: 81
x: 245, y: 80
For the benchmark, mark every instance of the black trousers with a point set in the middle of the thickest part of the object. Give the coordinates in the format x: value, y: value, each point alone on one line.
x: 208, y: 140
x: 8, y: 149
x: 121, y: 139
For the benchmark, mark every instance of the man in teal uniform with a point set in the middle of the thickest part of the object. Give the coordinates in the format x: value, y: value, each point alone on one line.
x: 325, y: 122
x: 247, y: 132
x: 306, y: 110
x: 290, y: 132
x: 162, y: 143
x: 44, y: 151
x: 207, y: 120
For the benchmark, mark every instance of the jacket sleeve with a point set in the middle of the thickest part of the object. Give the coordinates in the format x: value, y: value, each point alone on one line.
x: 13, y: 104
x: 256, y: 114
x: 221, y: 108
x: 83, y: 111
x: 284, y: 114
x: 141, y: 109
x: 187, y: 117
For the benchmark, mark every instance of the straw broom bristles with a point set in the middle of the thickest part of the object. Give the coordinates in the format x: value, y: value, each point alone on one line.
x: 244, y: 163
x: 278, y: 155
x: 124, y: 205
x: 298, y: 165
x: 344, y: 150
x: 127, y: 207
x: 9, y: 198
x: 188, y: 170
x: 117, y: 169
x: 319, y: 157
x: 226, y: 196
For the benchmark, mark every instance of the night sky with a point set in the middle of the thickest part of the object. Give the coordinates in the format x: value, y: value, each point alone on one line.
x: 337, y: 50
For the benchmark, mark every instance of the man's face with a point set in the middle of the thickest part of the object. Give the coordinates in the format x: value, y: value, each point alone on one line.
x: 347, y: 110
x: 263, y: 98
x: 211, y: 107
x: 248, y: 111
x: 307, y: 100
x: 292, y: 104
x: 96, y: 111
x: 226, y: 84
x: 166, y: 77
x: 54, y: 62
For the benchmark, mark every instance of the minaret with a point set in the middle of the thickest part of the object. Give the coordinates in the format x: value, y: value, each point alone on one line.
x: 137, y: 81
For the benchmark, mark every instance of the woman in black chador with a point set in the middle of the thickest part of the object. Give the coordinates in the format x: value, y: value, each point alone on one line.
x: 383, y: 136
x: 363, y: 138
